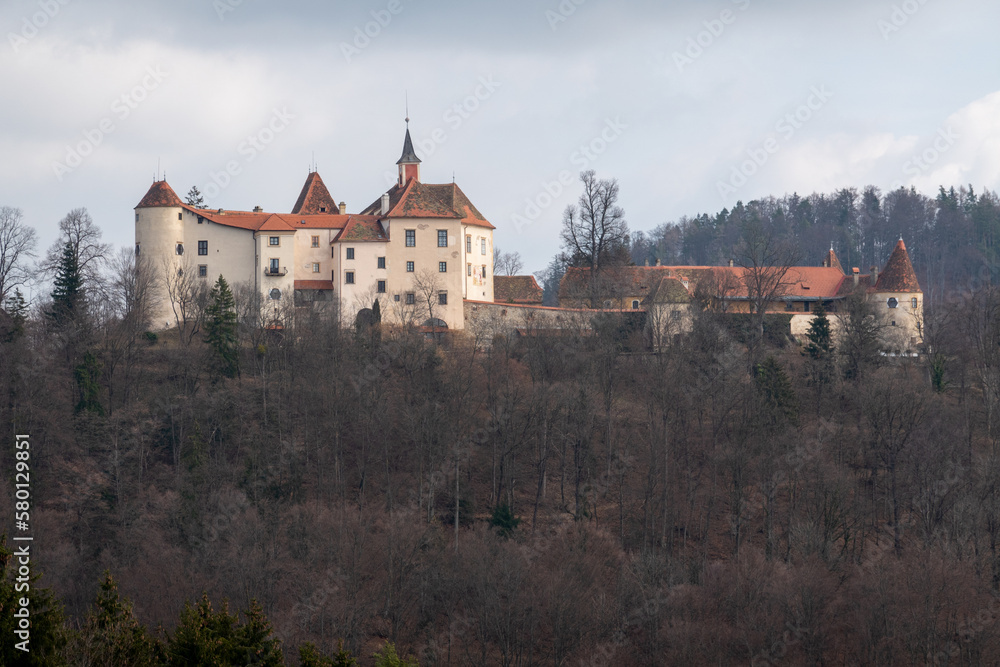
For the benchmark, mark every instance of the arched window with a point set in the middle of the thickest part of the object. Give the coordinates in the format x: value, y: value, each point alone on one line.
x: 913, y: 302
x: 635, y: 305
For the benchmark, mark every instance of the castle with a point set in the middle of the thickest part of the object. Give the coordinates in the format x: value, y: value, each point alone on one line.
x: 420, y: 250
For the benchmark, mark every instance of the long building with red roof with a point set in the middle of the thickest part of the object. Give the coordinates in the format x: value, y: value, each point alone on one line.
x: 420, y: 249
x: 895, y: 291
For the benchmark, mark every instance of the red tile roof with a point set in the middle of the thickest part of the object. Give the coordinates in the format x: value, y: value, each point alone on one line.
x: 516, y: 289
x: 160, y: 194
x: 254, y: 221
x: 314, y: 197
x: 362, y: 228
x: 898, y: 275
x: 424, y: 200
x: 638, y: 281
x: 274, y: 223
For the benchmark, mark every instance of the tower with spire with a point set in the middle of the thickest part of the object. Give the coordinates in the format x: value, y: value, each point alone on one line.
x: 408, y: 163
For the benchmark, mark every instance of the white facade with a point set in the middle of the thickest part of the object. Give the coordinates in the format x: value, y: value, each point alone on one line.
x: 420, y: 250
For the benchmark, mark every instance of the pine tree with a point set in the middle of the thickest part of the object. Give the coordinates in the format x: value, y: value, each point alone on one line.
x: 821, y: 353
x: 194, y: 198
x: 67, y: 297
x: 17, y: 308
x: 387, y: 657
x: 310, y: 656
x: 47, y: 632
x: 220, y: 328
x: 204, y: 637
x: 780, y: 405
x: 88, y: 381
x: 112, y: 635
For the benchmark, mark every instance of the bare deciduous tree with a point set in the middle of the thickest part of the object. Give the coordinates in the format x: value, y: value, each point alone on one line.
x: 17, y: 244
x: 594, y: 232
x: 766, y: 261
x: 78, y: 229
x: 188, y: 296
x: 506, y: 263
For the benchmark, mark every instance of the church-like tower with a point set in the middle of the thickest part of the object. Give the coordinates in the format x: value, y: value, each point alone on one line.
x: 408, y: 163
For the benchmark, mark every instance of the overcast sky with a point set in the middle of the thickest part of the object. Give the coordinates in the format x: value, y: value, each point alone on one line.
x: 690, y: 105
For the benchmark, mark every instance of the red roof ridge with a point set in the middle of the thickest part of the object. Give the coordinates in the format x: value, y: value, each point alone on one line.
x: 315, y: 197
x: 160, y: 194
x: 898, y: 275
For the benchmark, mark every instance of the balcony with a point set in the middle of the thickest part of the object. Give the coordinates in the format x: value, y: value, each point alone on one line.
x: 276, y: 273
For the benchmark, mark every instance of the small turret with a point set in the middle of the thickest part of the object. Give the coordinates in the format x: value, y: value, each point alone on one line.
x: 408, y: 163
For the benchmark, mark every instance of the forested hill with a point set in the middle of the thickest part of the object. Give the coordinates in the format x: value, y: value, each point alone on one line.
x: 952, y: 238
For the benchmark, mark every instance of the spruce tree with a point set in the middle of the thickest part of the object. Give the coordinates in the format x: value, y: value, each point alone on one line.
x: 204, y: 637
x: 17, y: 308
x: 821, y: 353
x: 47, y: 632
x: 194, y: 198
x: 112, y: 635
x: 220, y: 328
x: 67, y: 296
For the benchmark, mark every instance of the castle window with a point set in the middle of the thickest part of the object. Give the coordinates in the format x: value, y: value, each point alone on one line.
x: 275, y: 265
x: 395, y: 297
x: 411, y: 238
x: 333, y: 251
x: 349, y: 277
x: 381, y: 262
x: 913, y: 302
x: 409, y: 267
x: 380, y: 287
x: 442, y: 238
x: 274, y: 240
x: 350, y: 253
x: 892, y: 303
x: 322, y: 209
x: 137, y: 217
x: 468, y: 243
x: 315, y: 267
x: 635, y: 305
x: 442, y: 267
x: 180, y: 248
x: 202, y: 247
x: 410, y: 298
x: 483, y: 244
x: 468, y: 269
x: 203, y: 270
x: 443, y: 298
x: 484, y: 271
x: 137, y: 253
x: 315, y: 241
x: 180, y: 216
x: 805, y: 306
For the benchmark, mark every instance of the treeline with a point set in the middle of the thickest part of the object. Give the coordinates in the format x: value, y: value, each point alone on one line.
x: 507, y: 496
x: 953, y: 238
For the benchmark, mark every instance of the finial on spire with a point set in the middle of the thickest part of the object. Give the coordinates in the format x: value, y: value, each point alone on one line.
x: 406, y: 98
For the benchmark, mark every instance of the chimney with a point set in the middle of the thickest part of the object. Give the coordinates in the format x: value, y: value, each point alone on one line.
x: 257, y: 209
x: 874, y: 272
x: 824, y: 264
x: 646, y: 263
x: 732, y: 263
x: 343, y: 208
x: 857, y: 274
x: 658, y: 261
x: 385, y: 204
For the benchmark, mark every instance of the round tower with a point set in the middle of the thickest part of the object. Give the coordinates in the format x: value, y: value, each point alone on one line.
x: 159, y: 240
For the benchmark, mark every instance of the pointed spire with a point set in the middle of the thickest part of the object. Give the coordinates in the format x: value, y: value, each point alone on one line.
x: 408, y: 163
x: 898, y: 275
x: 315, y: 198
